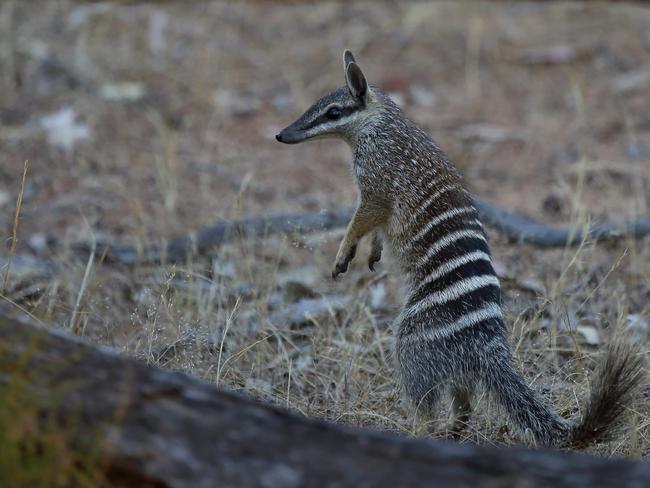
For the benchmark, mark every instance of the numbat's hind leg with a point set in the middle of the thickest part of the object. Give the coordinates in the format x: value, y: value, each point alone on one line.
x: 461, y: 409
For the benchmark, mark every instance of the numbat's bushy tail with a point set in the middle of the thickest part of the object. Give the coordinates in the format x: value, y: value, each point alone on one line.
x: 613, y: 388
x: 450, y: 333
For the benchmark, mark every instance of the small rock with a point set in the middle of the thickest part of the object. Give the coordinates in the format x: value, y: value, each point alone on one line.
x: 631, y: 81
x: 225, y: 269
x: 38, y: 243
x: 491, y: 133
x: 421, y: 95
x: 156, y: 36
x: 282, y: 102
x: 62, y: 130
x: 590, y: 334
x: 637, y: 150
x: 235, y: 104
x: 126, y: 91
x: 5, y: 198
x: 377, y: 295
x: 554, y: 54
x: 638, y: 327
x: 303, y: 362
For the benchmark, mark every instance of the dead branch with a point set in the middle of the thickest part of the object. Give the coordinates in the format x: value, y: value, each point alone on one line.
x: 206, y: 239
x: 152, y: 427
x: 516, y: 227
x: 520, y: 229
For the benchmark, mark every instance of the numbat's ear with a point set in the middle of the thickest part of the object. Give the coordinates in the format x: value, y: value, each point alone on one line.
x: 356, y: 81
x: 347, y: 59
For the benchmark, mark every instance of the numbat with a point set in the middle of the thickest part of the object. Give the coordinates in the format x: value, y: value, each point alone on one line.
x: 450, y: 333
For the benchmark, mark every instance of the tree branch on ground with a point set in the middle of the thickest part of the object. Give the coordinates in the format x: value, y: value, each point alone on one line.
x: 520, y: 229
x: 516, y: 227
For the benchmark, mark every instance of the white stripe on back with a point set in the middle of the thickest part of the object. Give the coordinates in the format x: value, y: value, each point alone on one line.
x: 433, y: 332
x: 425, y: 205
x: 452, y: 264
x: 454, y: 212
x: 452, y: 292
x: 447, y: 240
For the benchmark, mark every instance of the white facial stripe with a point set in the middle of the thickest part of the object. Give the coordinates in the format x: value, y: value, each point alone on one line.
x: 321, y: 128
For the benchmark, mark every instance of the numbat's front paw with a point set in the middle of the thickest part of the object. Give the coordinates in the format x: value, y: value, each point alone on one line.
x: 343, y: 260
x: 339, y: 268
x: 372, y: 260
x: 375, y: 255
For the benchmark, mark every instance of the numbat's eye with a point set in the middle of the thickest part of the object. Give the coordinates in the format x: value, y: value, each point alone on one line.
x: 333, y: 113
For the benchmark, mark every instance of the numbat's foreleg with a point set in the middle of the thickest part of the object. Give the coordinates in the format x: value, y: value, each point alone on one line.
x: 371, y: 214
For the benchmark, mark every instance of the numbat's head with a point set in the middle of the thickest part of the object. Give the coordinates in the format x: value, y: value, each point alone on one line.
x: 342, y: 113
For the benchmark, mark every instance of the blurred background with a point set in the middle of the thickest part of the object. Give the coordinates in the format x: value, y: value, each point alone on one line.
x: 142, y: 121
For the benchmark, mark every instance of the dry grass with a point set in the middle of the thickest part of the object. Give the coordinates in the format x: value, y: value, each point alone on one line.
x: 186, y: 154
x: 14, y: 228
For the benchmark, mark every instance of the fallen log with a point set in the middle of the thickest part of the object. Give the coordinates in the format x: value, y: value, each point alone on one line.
x: 516, y: 227
x: 153, y: 427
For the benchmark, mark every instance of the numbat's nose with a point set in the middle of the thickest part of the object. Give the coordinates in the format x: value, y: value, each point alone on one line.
x: 278, y: 137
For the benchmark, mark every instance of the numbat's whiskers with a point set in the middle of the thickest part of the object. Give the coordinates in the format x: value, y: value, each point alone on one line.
x: 450, y: 333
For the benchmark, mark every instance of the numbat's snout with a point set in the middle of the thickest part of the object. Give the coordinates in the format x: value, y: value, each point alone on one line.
x: 450, y: 332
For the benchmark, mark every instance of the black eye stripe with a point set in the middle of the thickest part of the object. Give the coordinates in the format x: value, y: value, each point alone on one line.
x: 348, y: 110
x: 345, y: 111
x: 333, y: 113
